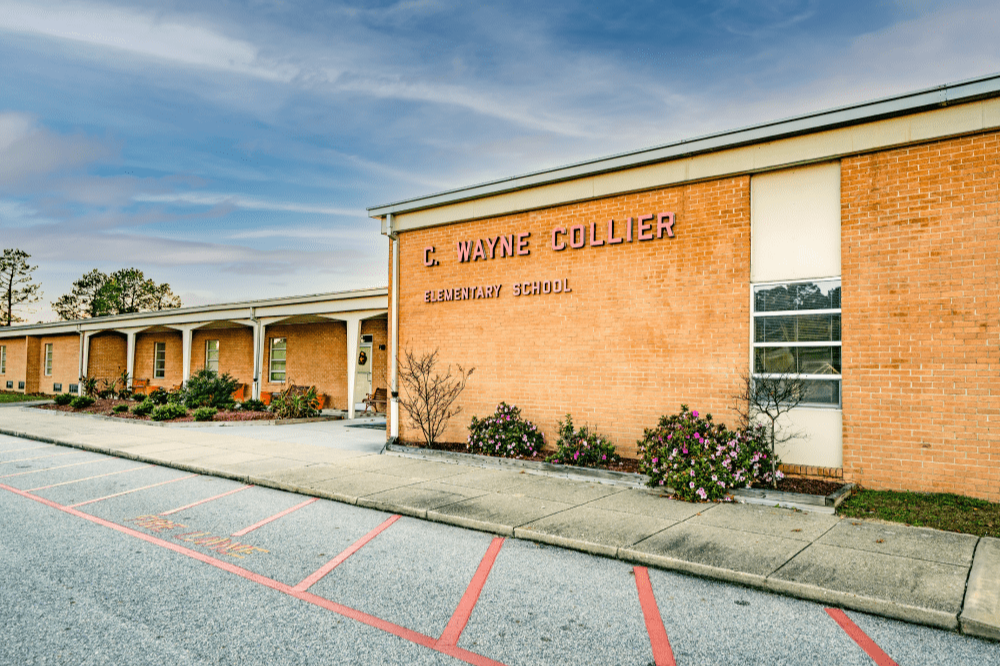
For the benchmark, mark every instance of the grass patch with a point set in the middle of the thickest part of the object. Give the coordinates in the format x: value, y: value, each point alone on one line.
x: 944, y: 511
x: 20, y: 398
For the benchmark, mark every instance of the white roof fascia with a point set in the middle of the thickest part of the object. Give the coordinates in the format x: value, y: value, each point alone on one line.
x: 855, y: 114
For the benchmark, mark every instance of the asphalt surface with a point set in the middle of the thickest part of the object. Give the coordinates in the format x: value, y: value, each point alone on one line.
x: 146, y: 569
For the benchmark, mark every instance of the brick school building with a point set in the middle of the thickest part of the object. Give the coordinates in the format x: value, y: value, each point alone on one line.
x: 859, y: 247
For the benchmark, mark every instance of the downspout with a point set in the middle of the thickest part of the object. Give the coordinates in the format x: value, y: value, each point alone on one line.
x: 254, y: 390
x: 394, y: 310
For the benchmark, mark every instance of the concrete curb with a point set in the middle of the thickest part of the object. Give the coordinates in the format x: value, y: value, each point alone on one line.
x: 980, y: 616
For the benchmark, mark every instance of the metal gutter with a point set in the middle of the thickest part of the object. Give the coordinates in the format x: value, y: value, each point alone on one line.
x: 854, y: 114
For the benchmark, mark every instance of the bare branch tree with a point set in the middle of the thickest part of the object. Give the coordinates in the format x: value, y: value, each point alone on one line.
x: 429, y: 394
x: 765, y: 398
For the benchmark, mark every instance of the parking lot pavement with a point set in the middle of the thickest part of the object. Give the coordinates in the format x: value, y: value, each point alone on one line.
x: 112, y: 561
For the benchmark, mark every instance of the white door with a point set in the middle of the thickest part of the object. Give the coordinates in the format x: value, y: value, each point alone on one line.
x: 363, y: 376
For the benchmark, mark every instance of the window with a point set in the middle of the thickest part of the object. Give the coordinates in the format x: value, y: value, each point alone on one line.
x: 796, y: 329
x: 3, y: 359
x: 48, y: 358
x: 212, y: 355
x: 159, y: 360
x: 277, y: 360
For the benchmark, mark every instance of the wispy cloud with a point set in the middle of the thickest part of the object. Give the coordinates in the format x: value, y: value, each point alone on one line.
x: 28, y: 150
x: 249, y: 203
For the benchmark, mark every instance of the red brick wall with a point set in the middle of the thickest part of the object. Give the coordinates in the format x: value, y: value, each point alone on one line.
x: 15, y: 363
x: 921, y: 317
x: 316, y: 355
x: 143, y: 368
x: 648, y: 325
x: 378, y: 328
x: 32, y: 368
x: 108, y: 356
x: 235, y: 352
x: 65, y: 363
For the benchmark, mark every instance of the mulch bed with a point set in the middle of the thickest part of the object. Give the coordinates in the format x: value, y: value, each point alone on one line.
x: 625, y: 465
x: 102, y: 406
x: 816, y: 487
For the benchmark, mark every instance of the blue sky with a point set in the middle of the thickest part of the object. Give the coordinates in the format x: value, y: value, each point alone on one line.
x: 230, y: 148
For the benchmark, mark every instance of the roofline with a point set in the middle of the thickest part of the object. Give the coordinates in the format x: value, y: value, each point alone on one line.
x: 854, y: 114
x: 193, y: 310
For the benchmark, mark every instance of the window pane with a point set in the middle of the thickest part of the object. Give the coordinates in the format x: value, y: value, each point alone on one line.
x: 797, y: 328
x: 278, y: 366
x: 819, y: 360
x: 824, y: 392
x: 774, y: 360
x: 818, y: 295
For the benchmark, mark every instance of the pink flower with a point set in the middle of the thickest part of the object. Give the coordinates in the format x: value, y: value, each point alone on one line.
x: 694, y: 413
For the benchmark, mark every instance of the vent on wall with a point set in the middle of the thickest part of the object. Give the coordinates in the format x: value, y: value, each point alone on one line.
x: 57, y: 386
x: 74, y: 389
x: 20, y: 385
x: 367, y: 338
x: 10, y: 384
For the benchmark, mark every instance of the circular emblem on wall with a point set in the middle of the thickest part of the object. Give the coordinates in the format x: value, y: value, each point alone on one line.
x: 362, y: 358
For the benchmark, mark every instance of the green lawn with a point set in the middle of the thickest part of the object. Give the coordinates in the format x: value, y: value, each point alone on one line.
x: 944, y: 511
x: 19, y: 398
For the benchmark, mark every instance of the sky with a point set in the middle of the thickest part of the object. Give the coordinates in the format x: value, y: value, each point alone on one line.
x: 230, y: 149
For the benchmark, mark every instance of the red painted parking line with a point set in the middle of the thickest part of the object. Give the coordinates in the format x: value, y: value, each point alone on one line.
x: 38, y: 458
x: 347, y: 612
x: 85, y: 479
x: 68, y: 465
x: 860, y: 638
x: 125, y: 493
x: 662, y: 653
x: 206, y: 500
x: 344, y: 555
x: 463, y: 612
x: 269, y: 519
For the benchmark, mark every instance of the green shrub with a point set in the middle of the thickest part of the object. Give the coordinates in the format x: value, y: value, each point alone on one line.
x: 205, y: 414
x: 504, y: 433
x: 582, y: 448
x: 176, y: 397
x: 162, y: 413
x: 295, y: 404
x: 121, y: 407
x: 208, y: 388
x: 700, y: 459
x: 89, y: 385
x: 158, y: 396
x: 143, y: 409
x: 81, y: 402
x: 64, y: 399
x: 253, y: 405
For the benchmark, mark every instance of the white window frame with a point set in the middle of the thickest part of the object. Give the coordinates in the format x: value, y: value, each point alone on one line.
x: 161, y: 372
x: 3, y: 359
x: 208, y: 355
x: 273, y: 373
x: 754, y: 345
x: 48, y: 360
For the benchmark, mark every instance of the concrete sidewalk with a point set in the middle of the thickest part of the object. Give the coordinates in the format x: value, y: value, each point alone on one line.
x: 925, y: 576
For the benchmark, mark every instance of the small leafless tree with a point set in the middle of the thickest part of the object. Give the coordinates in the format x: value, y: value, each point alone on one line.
x: 764, y: 399
x: 430, y: 395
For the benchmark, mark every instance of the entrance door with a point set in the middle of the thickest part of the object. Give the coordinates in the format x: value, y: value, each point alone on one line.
x: 363, y: 377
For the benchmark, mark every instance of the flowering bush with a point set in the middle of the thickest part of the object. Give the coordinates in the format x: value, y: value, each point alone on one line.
x: 583, y: 447
x: 700, y: 459
x: 504, y: 433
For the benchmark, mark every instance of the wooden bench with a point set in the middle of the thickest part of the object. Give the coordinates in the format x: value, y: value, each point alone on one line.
x: 140, y: 386
x: 377, y: 400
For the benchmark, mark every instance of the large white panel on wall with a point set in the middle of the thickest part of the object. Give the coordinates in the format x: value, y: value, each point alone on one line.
x: 795, y: 223
x: 820, y: 437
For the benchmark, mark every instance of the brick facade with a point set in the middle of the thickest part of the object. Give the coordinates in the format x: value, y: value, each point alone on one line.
x: 16, y: 369
x: 65, y: 364
x: 235, y: 352
x: 921, y: 317
x: 648, y: 325
x: 316, y: 354
x: 108, y: 356
x: 378, y: 328
x: 144, y: 349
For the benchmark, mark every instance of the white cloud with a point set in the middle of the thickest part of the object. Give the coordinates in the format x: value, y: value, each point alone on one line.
x: 141, y: 33
x: 27, y: 150
x: 250, y: 203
